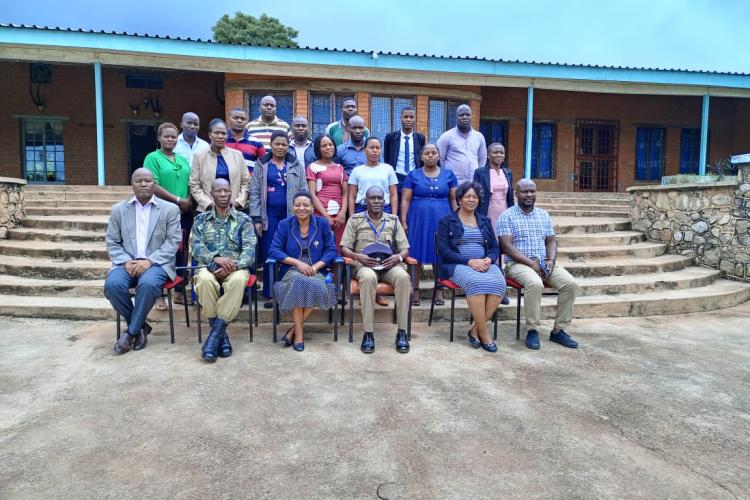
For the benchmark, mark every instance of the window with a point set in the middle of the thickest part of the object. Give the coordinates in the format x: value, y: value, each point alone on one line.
x: 442, y: 117
x: 144, y: 81
x: 495, y: 131
x: 543, y: 151
x: 690, y: 150
x: 649, y: 153
x: 325, y: 108
x: 385, y: 114
x: 284, y: 105
x: 44, y: 157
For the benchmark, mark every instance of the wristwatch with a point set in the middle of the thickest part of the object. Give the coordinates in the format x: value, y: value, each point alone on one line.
x: 178, y: 201
x: 400, y: 259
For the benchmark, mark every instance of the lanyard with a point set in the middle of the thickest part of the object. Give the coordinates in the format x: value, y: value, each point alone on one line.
x: 372, y: 226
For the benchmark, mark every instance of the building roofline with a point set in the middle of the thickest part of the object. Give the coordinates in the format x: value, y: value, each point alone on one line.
x: 134, y: 43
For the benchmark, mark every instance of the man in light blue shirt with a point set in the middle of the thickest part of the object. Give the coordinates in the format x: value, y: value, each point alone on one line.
x: 351, y: 153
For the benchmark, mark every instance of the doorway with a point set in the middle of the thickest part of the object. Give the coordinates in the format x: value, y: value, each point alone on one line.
x: 141, y: 141
x: 596, y: 155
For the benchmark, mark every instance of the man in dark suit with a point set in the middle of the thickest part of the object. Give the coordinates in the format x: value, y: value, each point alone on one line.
x: 402, y: 149
x: 143, y: 235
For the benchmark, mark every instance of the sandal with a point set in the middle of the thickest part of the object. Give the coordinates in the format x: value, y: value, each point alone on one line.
x: 415, y: 301
x: 381, y: 301
x: 160, y: 304
x: 439, y: 302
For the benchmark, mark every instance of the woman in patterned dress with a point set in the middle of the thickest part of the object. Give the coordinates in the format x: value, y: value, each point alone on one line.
x: 469, y: 251
x: 304, y: 246
x: 327, y: 182
x: 428, y: 194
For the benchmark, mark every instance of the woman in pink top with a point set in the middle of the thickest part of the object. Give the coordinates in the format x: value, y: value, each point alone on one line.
x: 497, y: 183
x: 327, y: 182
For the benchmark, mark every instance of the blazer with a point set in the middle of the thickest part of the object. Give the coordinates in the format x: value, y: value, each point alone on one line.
x: 450, y: 231
x: 203, y: 174
x: 164, y: 234
x: 296, y: 180
x: 287, y: 242
x: 392, y: 145
x: 482, y: 176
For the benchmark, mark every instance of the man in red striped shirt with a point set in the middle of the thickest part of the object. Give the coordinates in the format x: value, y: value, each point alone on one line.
x: 241, y: 140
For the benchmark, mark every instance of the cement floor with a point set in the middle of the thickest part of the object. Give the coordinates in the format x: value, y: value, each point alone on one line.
x: 648, y: 407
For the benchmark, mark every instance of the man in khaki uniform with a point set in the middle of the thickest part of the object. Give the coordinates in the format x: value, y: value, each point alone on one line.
x: 362, y: 230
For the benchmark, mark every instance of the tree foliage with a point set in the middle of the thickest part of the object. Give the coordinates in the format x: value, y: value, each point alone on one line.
x: 250, y: 30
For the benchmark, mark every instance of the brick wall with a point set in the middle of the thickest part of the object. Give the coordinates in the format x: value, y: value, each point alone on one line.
x: 71, y: 96
x: 729, y: 126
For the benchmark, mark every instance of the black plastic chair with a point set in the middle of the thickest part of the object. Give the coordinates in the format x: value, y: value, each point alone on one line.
x: 168, y: 287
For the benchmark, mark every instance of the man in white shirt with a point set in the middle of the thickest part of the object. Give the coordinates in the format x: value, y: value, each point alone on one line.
x: 402, y: 149
x: 143, y: 257
x: 188, y: 142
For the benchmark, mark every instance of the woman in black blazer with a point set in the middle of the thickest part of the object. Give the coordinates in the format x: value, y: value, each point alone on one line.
x: 469, y: 252
x: 497, y: 183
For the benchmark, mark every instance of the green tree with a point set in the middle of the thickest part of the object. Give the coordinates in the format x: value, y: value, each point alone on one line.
x: 250, y: 30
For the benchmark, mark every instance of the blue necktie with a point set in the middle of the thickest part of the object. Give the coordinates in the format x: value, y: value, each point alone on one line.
x: 407, y: 154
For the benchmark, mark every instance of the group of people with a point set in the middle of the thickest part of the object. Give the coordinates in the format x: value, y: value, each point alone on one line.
x: 261, y: 191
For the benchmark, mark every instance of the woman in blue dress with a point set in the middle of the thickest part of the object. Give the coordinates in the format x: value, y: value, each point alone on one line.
x: 274, y: 183
x: 428, y: 194
x: 469, y: 251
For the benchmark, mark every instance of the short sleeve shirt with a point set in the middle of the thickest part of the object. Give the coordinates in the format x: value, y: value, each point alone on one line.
x: 529, y: 230
x: 358, y: 233
x: 365, y: 176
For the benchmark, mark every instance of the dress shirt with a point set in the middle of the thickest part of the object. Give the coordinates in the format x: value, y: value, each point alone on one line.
x: 529, y: 231
x: 300, y: 150
x: 142, y: 217
x: 462, y: 153
x: 402, y: 151
x: 349, y: 156
x: 187, y: 150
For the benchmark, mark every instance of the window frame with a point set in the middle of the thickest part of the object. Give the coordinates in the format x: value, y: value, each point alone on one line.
x: 450, y: 104
x: 535, y: 151
x: 334, y: 110
x: 57, y: 160
x: 253, y: 115
x: 649, y: 177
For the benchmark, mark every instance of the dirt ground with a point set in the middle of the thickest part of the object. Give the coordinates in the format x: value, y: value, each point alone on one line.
x: 653, y: 407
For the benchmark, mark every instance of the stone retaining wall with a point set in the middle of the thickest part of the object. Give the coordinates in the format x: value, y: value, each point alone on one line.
x: 706, y: 221
x: 11, y: 204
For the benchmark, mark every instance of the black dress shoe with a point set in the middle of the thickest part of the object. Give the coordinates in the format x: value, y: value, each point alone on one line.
x: 368, y: 343
x: 225, y: 348
x: 402, y: 342
x: 210, y: 350
x: 141, y: 340
x: 124, y: 343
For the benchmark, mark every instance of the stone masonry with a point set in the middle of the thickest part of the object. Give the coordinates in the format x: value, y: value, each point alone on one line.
x: 708, y: 222
x: 11, y: 204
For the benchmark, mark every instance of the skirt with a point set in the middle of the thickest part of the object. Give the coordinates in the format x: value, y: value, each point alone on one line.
x: 475, y: 283
x: 297, y: 290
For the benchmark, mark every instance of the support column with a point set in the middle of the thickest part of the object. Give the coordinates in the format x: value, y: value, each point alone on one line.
x: 704, y: 136
x: 99, y: 122
x: 529, y: 131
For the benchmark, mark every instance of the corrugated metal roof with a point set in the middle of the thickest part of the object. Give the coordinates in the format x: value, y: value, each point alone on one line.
x: 362, y: 51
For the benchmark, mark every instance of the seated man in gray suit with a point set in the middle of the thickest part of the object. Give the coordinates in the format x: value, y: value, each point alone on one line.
x: 143, y: 235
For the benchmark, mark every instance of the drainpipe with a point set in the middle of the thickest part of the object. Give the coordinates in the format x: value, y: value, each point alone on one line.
x: 99, y: 122
x: 529, y: 131
x: 704, y: 136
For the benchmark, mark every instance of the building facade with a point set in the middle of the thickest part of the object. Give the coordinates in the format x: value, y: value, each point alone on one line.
x: 82, y: 107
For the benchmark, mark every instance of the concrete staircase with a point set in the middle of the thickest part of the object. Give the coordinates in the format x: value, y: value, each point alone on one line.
x: 54, y: 265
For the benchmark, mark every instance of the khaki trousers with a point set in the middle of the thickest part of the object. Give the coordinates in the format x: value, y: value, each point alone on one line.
x: 228, y: 305
x: 368, y: 279
x: 561, y: 280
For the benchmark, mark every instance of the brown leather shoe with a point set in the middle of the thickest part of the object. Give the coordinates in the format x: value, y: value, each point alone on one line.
x: 142, y: 338
x: 124, y: 343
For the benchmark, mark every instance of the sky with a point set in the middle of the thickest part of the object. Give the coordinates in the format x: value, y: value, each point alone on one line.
x: 708, y: 35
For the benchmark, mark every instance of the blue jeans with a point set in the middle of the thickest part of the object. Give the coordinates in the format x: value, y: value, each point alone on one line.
x: 148, y: 287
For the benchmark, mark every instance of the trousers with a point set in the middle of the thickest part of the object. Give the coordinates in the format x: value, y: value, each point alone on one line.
x: 226, y: 306
x: 148, y: 287
x: 398, y: 278
x: 560, y: 279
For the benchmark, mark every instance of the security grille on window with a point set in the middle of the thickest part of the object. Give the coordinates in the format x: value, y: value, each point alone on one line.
x: 690, y: 146
x: 325, y: 108
x: 649, y: 154
x: 385, y: 114
x: 543, y: 151
x: 44, y: 156
x: 284, y: 105
x: 442, y: 117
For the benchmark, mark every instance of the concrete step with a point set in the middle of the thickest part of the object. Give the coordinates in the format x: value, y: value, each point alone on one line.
x: 573, y: 240
x: 47, y: 188
x: 47, y: 203
x: 58, y: 250
x: 21, y: 233
x: 53, y: 269
x: 67, y: 210
x: 68, y: 223
x: 722, y: 293
x: 625, y: 266
x: 567, y: 225
x: 643, y: 250
x: 23, y: 285
x: 562, y: 212
x: 571, y: 200
x: 74, y: 196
